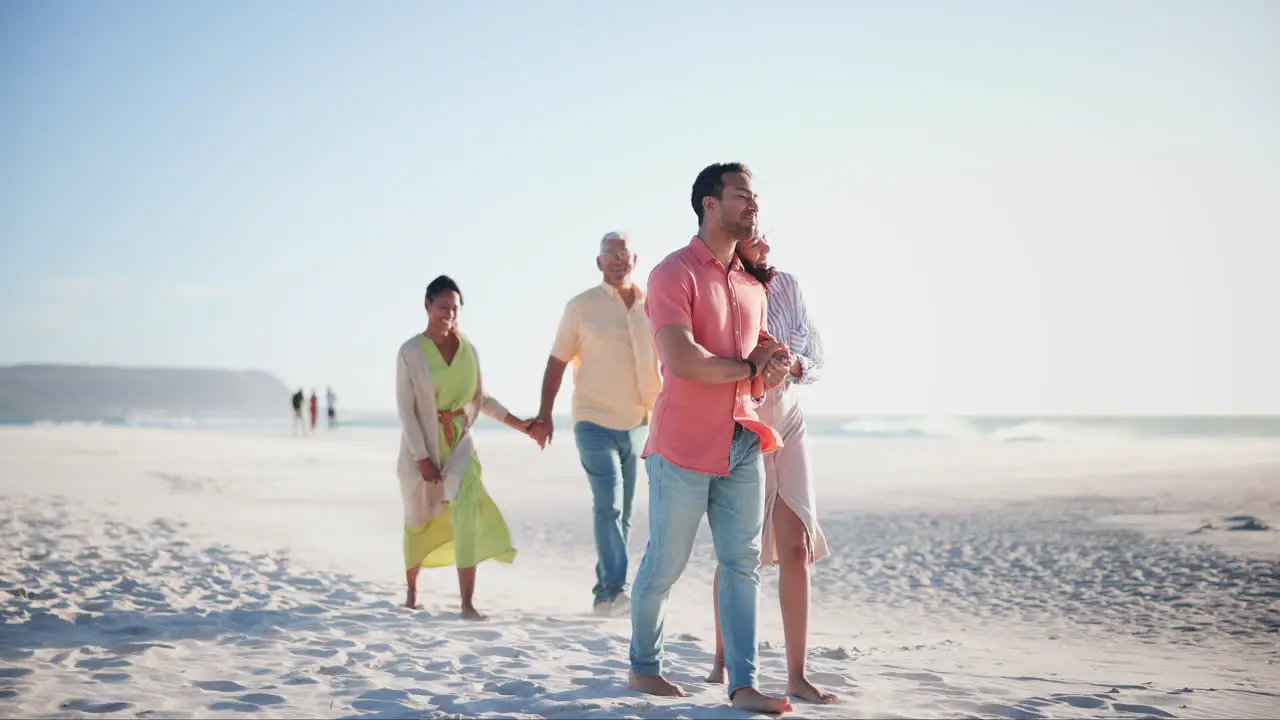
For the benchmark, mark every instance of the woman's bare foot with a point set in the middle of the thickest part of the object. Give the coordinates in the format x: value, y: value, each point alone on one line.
x: 411, y: 599
x: 469, y: 612
x: 654, y: 685
x: 716, y: 677
x: 807, y: 691
x: 752, y: 700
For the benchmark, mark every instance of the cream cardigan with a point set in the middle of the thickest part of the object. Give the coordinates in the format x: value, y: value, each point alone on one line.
x: 420, y: 434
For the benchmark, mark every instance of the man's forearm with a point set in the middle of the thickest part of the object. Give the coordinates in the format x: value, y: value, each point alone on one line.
x: 551, y: 379
x: 700, y: 366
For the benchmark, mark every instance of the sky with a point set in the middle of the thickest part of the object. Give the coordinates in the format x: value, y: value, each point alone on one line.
x: 991, y: 207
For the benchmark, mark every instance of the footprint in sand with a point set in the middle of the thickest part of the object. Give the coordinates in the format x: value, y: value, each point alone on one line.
x: 917, y: 677
x: 222, y: 686
x: 830, y: 679
x: 386, y: 709
x: 515, y: 688
x: 833, y: 653
x: 261, y: 699
x: 94, y: 664
x: 87, y: 706
x: 1143, y: 710
x: 135, y: 648
x: 315, y: 652
x: 227, y: 706
x: 1084, y: 702
x: 14, y: 673
x: 481, y: 635
x: 593, y: 669
x: 502, y: 651
x: 335, y: 643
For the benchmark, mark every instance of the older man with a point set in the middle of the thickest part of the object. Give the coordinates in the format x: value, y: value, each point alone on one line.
x: 606, y: 335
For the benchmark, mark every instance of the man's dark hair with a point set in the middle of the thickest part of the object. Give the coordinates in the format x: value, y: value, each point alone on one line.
x: 711, y: 182
x: 763, y: 273
x: 442, y: 284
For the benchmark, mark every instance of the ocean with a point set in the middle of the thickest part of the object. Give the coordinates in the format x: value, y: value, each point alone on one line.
x: 1002, y: 428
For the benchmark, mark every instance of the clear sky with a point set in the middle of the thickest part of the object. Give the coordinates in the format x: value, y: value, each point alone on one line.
x: 996, y: 207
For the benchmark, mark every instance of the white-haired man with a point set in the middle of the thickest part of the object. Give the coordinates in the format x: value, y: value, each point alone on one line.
x: 605, y: 333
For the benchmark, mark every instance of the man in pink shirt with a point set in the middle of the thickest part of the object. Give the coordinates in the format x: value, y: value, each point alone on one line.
x: 703, y: 454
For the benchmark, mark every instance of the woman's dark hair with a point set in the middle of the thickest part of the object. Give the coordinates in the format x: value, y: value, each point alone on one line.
x: 763, y: 273
x: 442, y: 284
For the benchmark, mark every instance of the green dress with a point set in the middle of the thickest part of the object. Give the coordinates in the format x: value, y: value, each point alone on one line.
x: 472, y: 530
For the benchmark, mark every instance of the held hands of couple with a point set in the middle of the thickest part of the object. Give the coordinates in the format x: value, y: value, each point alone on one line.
x: 541, y: 430
x: 773, y: 360
x: 538, y: 428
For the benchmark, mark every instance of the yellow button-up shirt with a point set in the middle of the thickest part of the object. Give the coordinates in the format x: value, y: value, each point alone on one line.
x: 615, y: 365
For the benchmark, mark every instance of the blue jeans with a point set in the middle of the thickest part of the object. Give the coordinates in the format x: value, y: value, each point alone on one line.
x: 610, y: 458
x: 734, y: 505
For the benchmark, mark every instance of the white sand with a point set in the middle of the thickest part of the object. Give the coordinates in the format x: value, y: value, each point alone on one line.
x: 195, y: 574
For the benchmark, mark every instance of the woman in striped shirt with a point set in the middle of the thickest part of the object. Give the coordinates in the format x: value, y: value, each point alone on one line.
x: 791, y: 537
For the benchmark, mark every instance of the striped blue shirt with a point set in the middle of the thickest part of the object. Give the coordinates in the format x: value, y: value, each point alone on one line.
x: 789, y: 322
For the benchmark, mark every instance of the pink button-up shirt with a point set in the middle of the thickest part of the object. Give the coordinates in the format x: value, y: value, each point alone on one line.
x: 693, y: 423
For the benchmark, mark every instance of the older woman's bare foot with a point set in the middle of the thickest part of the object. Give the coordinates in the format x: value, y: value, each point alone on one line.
x: 469, y: 612
x: 752, y: 700
x: 716, y: 676
x: 807, y: 691
x: 654, y: 685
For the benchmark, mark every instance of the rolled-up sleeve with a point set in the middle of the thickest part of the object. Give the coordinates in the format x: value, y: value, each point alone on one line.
x: 669, y: 296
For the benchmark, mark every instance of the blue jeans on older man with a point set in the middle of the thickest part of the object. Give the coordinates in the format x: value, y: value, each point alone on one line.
x: 734, y: 506
x: 610, y: 458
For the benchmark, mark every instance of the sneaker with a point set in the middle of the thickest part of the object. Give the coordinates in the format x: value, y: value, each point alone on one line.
x: 621, y: 605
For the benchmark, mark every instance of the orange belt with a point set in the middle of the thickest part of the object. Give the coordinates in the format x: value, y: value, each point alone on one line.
x: 446, y: 421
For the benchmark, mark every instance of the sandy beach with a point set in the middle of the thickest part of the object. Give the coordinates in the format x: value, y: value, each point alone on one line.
x: 167, y: 573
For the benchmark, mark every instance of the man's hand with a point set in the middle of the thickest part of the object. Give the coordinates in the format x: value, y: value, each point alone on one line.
x: 772, y: 359
x: 764, y: 352
x: 543, y: 429
x: 430, y: 473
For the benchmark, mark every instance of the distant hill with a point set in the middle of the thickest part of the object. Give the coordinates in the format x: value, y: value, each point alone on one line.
x: 79, y: 392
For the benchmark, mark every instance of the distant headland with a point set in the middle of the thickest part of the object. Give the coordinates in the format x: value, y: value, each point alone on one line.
x: 31, y: 393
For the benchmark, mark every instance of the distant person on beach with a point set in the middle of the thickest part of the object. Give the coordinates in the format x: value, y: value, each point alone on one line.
x: 449, y: 518
x: 791, y: 537
x: 299, y: 425
x: 605, y: 334
x: 331, y: 402
x: 314, y: 410
x: 704, y: 453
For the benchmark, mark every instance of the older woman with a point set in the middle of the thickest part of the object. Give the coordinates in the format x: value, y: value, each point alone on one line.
x: 449, y: 518
x: 791, y: 537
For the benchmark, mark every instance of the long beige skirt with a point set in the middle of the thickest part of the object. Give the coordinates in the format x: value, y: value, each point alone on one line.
x: 787, y: 475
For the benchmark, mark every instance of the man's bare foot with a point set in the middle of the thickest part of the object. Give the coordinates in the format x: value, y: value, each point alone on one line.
x: 716, y: 677
x: 752, y: 700
x: 654, y: 685
x: 469, y: 612
x: 807, y: 691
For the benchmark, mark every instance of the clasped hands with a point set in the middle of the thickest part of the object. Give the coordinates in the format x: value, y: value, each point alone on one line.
x: 531, y: 427
x: 773, y: 360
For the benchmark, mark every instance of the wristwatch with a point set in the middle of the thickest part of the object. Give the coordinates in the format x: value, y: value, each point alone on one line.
x: 752, y: 368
